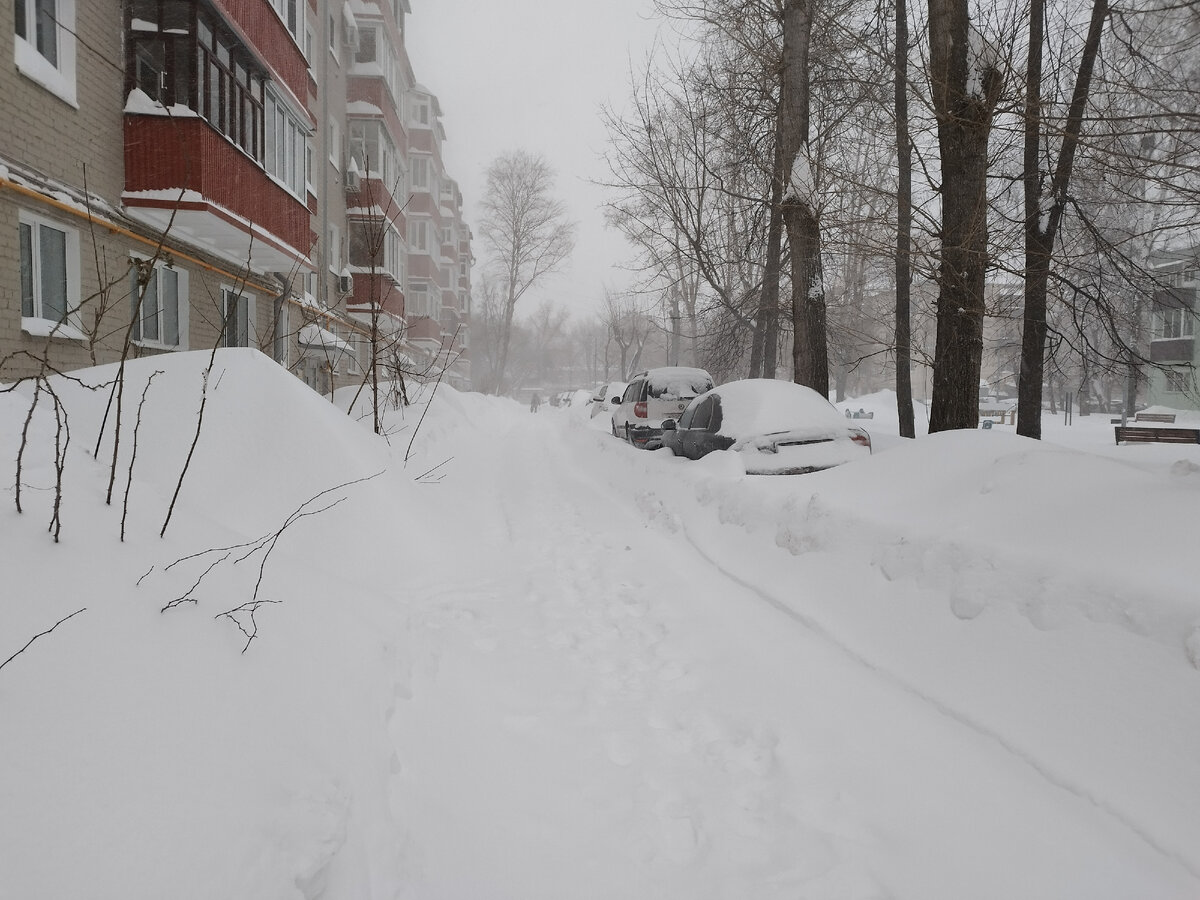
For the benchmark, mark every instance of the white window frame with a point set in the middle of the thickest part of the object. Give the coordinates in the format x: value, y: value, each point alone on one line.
x: 181, y: 299
x: 298, y: 33
x: 422, y: 110
x: 227, y: 291
x: 416, y: 309
x: 290, y: 171
x: 420, y: 172
x: 335, y: 143
x: 56, y: 77
x: 1176, y: 324
x: 71, y: 325
x: 418, y: 236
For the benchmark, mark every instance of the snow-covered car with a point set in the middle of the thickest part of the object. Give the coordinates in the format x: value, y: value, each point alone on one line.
x: 778, y: 427
x: 653, y: 396
x: 606, y: 396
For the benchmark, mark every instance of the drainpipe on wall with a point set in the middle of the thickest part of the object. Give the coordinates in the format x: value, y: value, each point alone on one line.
x: 279, y: 342
x: 321, y: 163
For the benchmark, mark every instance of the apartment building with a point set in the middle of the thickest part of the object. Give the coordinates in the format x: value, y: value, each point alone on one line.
x: 179, y: 173
x: 1172, y: 380
x: 410, y: 249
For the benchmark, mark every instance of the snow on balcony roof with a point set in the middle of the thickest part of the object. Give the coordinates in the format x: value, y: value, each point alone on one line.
x: 318, y: 337
x: 362, y: 108
x: 197, y: 220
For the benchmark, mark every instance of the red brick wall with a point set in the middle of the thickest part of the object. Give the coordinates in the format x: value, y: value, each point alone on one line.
x: 163, y: 153
x: 266, y: 32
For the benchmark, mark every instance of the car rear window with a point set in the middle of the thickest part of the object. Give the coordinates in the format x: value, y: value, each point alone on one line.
x: 678, y: 383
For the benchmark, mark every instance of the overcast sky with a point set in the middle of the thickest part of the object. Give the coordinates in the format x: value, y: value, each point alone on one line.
x: 533, y: 74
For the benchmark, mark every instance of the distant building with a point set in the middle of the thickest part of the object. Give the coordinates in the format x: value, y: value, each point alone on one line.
x: 1172, y: 381
x: 192, y: 172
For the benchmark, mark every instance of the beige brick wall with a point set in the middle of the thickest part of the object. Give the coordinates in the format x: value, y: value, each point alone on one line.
x: 49, y: 134
x: 104, y: 303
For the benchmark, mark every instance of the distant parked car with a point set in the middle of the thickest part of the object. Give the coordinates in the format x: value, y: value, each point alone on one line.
x: 606, y: 396
x: 780, y: 428
x: 655, y: 395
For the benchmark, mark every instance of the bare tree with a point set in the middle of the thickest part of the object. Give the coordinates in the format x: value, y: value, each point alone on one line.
x: 526, y: 231
x: 965, y: 82
x: 1044, y: 208
x: 627, y: 327
x: 904, y: 155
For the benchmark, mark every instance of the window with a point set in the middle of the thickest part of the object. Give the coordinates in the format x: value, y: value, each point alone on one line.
x: 335, y: 144
x: 181, y: 55
x: 420, y: 173
x: 418, y: 235
x: 292, y: 14
x: 374, y: 153
x: 366, y: 45
x: 1177, y: 381
x: 333, y: 35
x: 162, y: 321
x: 420, y: 111
x: 416, y: 300
x: 49, y: 270
x: 1176, y: 323
x: 44, y: 45
x: 703, y: 415
x: 286, y: 146
x: 238, y: 310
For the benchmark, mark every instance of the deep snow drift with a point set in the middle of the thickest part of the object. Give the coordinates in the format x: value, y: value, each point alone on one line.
x: 532, y: 662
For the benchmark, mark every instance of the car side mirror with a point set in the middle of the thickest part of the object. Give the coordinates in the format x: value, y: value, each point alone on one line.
x: 668, y: 425
x: 616, y: 401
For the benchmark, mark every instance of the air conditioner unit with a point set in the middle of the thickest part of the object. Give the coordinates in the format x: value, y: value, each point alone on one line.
x: 345, y: 284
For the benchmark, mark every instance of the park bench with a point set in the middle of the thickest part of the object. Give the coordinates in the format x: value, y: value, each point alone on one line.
x: 1132, y: 434
x: 999, y: 414
x: 1167, y: 418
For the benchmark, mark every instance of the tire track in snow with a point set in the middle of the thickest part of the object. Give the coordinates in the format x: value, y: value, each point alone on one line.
x: 1049, y: 775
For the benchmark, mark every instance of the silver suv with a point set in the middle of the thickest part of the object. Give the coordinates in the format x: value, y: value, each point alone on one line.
x: 651, y: 397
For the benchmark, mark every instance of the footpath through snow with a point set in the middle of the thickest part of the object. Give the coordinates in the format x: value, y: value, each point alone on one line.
x: 536, y: 663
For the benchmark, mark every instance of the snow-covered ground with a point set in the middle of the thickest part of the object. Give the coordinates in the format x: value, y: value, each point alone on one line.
x: 516, y: 659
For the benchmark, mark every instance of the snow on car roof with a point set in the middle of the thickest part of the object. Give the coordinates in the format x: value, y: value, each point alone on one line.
x: 756, y: 406
x: 678, y: 381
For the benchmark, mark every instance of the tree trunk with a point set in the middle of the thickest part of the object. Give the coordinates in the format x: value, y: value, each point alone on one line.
x: 1039, y: 235
x: 763, y: 352
x: 904, y: 406
x: 510, y: 304
x: 810, y: 353
x: 810, y: 356
x: 964, y: 125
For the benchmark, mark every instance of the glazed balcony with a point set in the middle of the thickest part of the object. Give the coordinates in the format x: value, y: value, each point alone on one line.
x: 182, y: 174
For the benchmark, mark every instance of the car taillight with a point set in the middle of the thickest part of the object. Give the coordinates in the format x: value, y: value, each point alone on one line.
x: 861, y: 438
x: 639, y: 409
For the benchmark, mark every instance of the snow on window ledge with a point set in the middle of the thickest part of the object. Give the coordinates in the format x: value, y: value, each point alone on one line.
x: 36, y: 327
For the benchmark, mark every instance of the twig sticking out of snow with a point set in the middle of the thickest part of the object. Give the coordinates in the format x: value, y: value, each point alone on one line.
x: 41, y: 634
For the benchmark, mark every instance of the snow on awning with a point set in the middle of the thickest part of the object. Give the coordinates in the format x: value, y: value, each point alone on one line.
x: 316, y: 336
